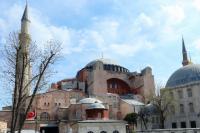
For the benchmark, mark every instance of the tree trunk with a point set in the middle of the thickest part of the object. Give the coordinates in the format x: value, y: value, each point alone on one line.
x: 162, y: 121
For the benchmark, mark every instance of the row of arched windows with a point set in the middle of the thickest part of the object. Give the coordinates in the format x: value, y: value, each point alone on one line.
x: 115, y: 68
x: 182, y: 108
x: 105, y: 131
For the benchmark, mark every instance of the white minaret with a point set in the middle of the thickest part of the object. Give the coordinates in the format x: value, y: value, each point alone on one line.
x: 23, y: 64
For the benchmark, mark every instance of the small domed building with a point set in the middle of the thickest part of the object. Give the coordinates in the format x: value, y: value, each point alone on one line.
x: 96, y: 118
x: 97, y: 111
x: 184, y: 86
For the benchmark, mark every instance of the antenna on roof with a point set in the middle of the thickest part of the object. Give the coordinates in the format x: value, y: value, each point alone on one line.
x: 102, y: 55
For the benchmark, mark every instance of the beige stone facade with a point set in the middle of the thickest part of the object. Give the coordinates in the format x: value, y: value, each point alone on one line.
x: 186, y: 108
x: 102, y: 78
x: 3, y: 127
x: 51, y: 101
x: 5, y: 116
x: 184, y: 87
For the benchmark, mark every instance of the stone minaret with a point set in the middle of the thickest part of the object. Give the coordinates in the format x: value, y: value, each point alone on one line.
x: 23, y: 64
x: 184, y: 52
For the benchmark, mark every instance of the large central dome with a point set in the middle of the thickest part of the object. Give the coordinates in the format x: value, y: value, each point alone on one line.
x: 103, y: 60
x: 108, y: 64
x: 184, y: 75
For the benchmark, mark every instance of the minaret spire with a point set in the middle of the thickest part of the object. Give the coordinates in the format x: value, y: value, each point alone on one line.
x: 184, y: 53
x: 24, y: 67
x: 25, y: 20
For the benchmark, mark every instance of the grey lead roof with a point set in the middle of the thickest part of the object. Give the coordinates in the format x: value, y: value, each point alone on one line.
x: 89, y: 101
x: 96, y: 106
x: 103, y: 60
x: 133, y: 102
x: 184, y: 75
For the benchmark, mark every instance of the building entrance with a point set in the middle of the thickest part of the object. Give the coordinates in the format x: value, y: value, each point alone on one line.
x: 49, y: 129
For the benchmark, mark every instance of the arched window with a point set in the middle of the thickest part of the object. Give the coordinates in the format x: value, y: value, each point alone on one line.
x: 78, y: 114
x: 191, y: 107
x: 113, y: 67
x: 115, y: 131
x: 172, y: 109
x: 171, y: 95
x: 189, y: 92
x: 44, y: 116
x: 103, y: 132
x: 120, y: 69
x: 180, y: 94
x: 90, y: 132
x: 181, y: 108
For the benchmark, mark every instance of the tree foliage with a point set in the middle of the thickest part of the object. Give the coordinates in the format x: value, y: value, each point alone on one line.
x: 131, y: 118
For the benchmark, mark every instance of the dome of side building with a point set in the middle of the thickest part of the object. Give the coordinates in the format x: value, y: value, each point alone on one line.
x: 184, y: 75
x: 89, y: 101
x: 96, y: 106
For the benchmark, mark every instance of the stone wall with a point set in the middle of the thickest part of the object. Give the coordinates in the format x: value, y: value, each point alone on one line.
x: 5, y: 115
x: 178, y: 130
x: 3, y: 127
x: 97, y: 126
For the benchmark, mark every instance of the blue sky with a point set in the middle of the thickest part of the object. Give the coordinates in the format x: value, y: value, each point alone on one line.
x: 135, y: 33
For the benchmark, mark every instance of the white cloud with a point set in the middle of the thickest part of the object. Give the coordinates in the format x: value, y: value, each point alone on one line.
x: 169, y: 33
x: 126, y: 49
x: 196, y: 4
x: 9, y: 20
x: 107, y: 28
x: 144, y: 21
x: 174, y: 13
x: 196, y: 43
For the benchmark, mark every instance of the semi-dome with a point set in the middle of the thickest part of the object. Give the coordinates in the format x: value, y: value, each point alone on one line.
x: 103, y: 60
x: 96, y: 106
x: 89, y: 101
x: 184, y: 75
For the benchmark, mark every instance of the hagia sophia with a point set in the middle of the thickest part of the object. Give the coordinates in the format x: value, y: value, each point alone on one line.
x: 103, y: 92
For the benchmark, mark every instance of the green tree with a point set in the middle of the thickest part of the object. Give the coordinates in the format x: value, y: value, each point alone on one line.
x: 131, y: 118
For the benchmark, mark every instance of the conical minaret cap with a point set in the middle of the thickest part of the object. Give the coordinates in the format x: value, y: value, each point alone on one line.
x: 184, y: 53
x: 25, y: 14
